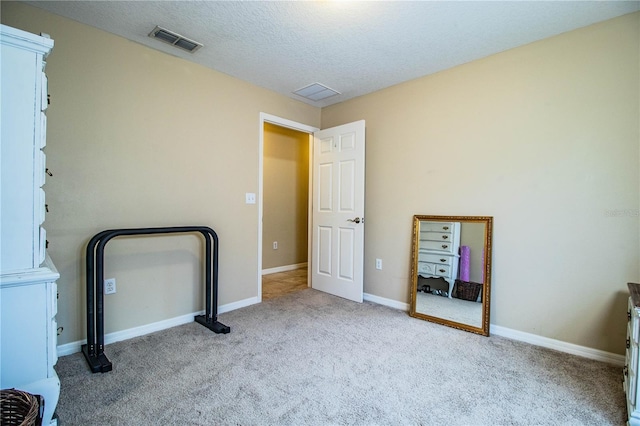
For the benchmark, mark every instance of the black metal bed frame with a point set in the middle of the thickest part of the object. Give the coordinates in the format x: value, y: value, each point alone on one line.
x: 94, y: 349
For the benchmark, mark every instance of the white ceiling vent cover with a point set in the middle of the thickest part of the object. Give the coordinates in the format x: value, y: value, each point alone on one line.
x: 316, y: 92
x: 175, y: 39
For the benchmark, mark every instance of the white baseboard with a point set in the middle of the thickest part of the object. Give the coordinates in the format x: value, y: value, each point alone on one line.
x: 73, y: 347
x: 545, y: 342
x: 521, y: 336
x: 284, y: 268
x: 386, y: 302
x: 237, y: 305
x: 557, y: 345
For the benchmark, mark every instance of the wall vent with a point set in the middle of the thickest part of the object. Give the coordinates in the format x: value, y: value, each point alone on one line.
x: 175, y: 39
x: 316, y: 92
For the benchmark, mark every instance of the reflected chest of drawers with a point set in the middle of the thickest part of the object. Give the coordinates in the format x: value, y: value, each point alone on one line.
x: 438, y: 251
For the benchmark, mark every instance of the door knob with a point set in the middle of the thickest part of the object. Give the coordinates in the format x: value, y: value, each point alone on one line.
x: 356, y: 220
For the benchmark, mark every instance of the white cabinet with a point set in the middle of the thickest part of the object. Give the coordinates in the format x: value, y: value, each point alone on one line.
x: 630, y: 377
x: 438, y: 251
x: 28, y: 290
x: 23, y: 133
x: 28, y: 334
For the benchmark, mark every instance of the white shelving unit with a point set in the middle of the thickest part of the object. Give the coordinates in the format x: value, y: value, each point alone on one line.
x: 630, y: 377
x: 28, y: 290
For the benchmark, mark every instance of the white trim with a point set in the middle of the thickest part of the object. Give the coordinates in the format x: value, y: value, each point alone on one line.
x: 284, y: 268
x: 557, y: 345
x: 386, y: 302
x: 73, y: 347
x: 310, y: 210
x: 237, y: 305
x: 545, y: 342
x: 283, y: 122
x: 521, y: 336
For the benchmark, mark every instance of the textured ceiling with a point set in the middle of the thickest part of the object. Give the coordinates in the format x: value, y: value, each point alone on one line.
x: 354, y: 48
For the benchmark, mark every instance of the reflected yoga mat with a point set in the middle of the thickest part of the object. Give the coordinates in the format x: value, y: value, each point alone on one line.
x: 482, y: 265
x: 465, y: 262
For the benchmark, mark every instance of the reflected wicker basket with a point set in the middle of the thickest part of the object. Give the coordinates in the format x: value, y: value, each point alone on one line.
x: 20, y: 408
x: 468, y: 290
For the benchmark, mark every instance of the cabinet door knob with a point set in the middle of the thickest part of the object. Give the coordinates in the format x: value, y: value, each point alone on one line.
x: 628, y: 315
x: 444, y: 246
x: 446, y: 228
x: 626, y: 370
x: 443, y: 260
x: 628, y: 343
x: 441, y: 270
x: 48, y: 172
x: 444, y: 237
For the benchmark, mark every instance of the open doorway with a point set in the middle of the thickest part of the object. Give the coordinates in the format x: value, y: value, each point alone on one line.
x: 335, y: 220
x: 285, y: 202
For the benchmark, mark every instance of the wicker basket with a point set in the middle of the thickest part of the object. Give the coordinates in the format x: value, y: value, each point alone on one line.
x: 20, y: 408
x: 468, y: 290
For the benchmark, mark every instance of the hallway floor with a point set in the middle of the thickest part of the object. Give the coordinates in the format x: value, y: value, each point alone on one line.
x: 281, y: 283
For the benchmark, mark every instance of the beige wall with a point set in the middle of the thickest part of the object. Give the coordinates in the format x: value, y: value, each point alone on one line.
x: 138, y: 138
x: 545, y: 138
x: 285, y: 196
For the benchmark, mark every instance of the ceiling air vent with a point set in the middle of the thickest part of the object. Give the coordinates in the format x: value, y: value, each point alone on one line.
x: 175, y: 39
x: 316, y: 92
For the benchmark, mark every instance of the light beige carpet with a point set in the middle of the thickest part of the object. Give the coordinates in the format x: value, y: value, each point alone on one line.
x: 312, y: 359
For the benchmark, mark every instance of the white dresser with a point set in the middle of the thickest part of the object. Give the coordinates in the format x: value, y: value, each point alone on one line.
x: 438, y: 251
x: 630, y: 372
x: 28, y: 292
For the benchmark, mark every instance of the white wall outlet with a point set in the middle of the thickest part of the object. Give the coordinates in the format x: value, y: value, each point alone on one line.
x: 109, y: 286
x: 250, y: 198
x: 378, y: 263
x: 275, y: 245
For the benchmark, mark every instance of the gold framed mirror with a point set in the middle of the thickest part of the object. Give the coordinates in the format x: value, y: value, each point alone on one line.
x: 451, y: 271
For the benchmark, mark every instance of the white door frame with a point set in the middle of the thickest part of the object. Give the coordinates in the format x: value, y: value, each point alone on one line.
x: 282, y: 122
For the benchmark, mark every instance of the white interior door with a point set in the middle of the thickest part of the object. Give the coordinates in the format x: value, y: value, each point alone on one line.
x: 337, y: 258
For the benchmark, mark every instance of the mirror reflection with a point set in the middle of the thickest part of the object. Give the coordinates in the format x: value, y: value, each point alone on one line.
x: 451, y: 271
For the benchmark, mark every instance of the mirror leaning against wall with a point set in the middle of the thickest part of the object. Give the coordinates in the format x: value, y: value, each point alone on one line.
x: 451, y: 271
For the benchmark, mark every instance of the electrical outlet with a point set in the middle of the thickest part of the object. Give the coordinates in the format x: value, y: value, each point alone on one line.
x: 109, y: 286
x: 378, y: 263
x: 250, y: 198
x: 275, y: 245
